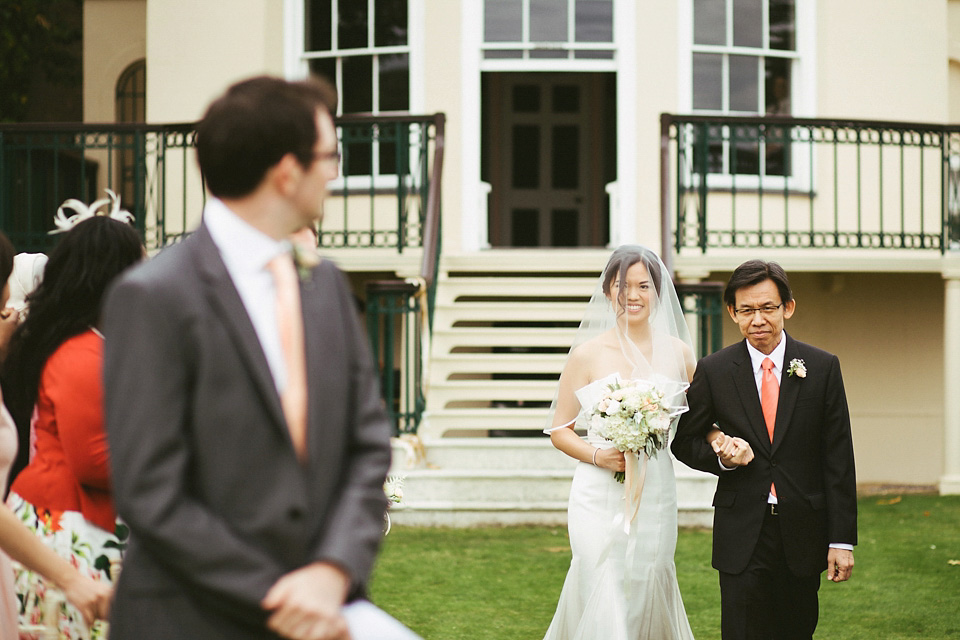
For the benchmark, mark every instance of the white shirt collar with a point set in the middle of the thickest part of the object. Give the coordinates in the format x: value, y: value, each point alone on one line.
x: 243, y: 248
x: 757, y: 358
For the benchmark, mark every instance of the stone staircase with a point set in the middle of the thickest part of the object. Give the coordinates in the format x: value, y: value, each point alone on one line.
x: 503, y: 324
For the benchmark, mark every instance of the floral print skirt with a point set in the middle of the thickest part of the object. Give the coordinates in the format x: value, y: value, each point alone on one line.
x: 93, y: 551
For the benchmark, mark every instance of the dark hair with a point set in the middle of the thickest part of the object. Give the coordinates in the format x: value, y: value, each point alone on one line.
x: 625, y: 257
x: 754, y: 272
x: 65, y: 304
x: 255, y: 124
x: 6, y: 258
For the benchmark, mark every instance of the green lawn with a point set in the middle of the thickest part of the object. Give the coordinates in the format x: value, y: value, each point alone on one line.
x: 503, y: 583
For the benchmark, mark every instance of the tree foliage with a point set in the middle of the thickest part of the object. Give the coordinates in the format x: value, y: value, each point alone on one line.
x: 38, y: 40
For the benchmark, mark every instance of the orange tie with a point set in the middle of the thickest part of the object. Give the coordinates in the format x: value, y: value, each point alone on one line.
x: 290, y: 326
x: 769, y: 397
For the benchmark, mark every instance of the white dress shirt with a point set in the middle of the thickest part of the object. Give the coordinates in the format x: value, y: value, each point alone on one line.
x: 245, y: 252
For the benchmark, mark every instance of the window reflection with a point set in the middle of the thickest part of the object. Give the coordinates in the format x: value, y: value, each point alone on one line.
x: 502, y: 20
x: 548, y: 20
x: 594, y: 21
x: 709, y: 22
x: 748, y: 23
x: 743, y: 84
x: 707, y: 81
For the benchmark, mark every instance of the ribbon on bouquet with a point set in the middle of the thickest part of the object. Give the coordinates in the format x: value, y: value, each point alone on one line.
x: 634, y: 475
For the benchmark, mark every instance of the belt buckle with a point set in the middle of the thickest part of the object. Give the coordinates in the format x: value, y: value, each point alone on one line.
x: 773, y: 509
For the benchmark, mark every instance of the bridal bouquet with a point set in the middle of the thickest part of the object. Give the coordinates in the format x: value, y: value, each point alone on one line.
x: 634, y: 416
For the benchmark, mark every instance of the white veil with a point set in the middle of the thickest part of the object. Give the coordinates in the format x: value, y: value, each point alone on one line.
x: 670, y: 350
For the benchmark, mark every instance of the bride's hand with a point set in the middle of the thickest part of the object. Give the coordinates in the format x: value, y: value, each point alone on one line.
x: 610, y: 459
x: 733, y: 452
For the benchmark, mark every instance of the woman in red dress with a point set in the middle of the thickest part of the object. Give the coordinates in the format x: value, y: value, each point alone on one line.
x: 54, y: 391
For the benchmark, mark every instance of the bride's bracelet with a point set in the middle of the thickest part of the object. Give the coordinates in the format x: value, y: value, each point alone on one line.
x: 595, y: 449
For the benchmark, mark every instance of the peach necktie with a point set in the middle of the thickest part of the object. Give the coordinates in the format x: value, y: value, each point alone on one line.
x: 290, y: 326
x: 769, y: 398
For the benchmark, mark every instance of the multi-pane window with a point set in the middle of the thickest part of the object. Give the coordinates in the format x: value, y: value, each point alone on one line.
x: 362, y: 46
x: 548, y: 29
x: 743, y: 56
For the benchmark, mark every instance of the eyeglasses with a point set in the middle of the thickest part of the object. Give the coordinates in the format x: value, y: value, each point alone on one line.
x: 327, y: 155
x: 765, y: 311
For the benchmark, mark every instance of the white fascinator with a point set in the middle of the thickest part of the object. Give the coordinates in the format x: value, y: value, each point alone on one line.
x: 65, y: 223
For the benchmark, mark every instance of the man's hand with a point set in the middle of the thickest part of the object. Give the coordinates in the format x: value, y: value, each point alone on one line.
x: 839, y: 565
x: 733, y: 452
x: 306, y: 603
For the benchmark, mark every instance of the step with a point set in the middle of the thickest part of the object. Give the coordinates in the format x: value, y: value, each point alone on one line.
x: 444, y: 340
x: 466, y: 486
x: 446, y: 315
x: 438, y: 422
x: 496, y: 515
x: 442, y: 366
x: 526, y: 288
x: 511, y: 390
x: 536, y: 453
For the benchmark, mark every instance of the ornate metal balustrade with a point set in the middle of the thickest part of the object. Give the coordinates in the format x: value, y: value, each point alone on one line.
x: 703, y: 305
x: 774, y: 182
x: 388, y: 196
x: 151, y: 167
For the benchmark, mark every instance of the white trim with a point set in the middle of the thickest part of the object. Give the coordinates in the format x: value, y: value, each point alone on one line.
x: 624, y: 229
x: 416, y: 41
x: 293, y: 67
x: 548, y: 64
x: 473, y: 229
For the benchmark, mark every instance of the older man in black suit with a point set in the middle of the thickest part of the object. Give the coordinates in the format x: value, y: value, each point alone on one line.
x: 785, y: 506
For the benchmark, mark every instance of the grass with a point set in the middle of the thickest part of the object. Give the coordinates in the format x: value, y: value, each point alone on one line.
x: 503, y: 583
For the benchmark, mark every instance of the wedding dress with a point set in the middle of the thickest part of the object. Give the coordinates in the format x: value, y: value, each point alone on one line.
x: 620, y: 586
x: 622, y: 581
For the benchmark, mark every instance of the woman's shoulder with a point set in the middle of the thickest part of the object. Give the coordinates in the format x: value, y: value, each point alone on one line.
x: 594, y: 347
x: 81, y: 347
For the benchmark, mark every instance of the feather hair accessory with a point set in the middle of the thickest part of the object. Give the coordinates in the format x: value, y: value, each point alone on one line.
x: 64, y: 223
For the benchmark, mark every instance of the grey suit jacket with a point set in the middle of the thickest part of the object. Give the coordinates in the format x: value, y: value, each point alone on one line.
x: 204, y: 470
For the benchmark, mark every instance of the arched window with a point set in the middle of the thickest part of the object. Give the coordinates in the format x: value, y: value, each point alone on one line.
x: 131, y: 102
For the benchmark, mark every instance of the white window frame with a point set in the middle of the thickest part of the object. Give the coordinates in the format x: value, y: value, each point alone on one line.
x: 803, y: 98
x: 296, y: 65
x: 475, y: 192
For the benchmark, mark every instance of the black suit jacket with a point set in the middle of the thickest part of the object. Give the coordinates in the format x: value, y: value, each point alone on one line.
x: 810, y: 460
x: 204, y: 471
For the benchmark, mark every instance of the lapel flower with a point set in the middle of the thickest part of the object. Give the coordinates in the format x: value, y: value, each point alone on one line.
x: 305, y: 260
x: 797, y: 367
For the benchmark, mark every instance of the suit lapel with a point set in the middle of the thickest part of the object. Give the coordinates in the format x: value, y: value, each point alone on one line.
x: 746, y: 384
x: 227, y: 305
x: 789, y: 390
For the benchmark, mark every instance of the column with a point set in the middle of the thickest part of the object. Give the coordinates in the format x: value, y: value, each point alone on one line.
x: 950, y: 480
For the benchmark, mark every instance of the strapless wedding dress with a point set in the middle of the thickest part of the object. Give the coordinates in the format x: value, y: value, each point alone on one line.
x: 620, y: 586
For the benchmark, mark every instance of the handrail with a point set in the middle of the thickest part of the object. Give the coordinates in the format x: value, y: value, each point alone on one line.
x: 431, y: 233
x: 766, y: 182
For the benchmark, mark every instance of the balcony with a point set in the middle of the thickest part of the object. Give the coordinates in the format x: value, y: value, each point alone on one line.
x: 848, y: 193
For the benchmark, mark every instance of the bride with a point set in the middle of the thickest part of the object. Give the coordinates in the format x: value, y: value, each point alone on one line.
x: 622, y: 582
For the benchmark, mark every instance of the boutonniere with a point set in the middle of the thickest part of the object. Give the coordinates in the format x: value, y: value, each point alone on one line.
x: 305, y: 260
x: 798, y: 368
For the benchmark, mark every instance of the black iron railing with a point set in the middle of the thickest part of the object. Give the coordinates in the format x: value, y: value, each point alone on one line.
x: 703, y: 306
x: 387, y: 196
x: 151, y: 167
x: 774, y: 182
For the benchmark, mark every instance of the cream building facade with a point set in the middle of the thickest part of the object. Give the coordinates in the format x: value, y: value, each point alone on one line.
x: 553, y: 153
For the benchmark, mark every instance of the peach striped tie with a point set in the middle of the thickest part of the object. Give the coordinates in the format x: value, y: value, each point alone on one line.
x: 769, y: 398
x: 290, y: 326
